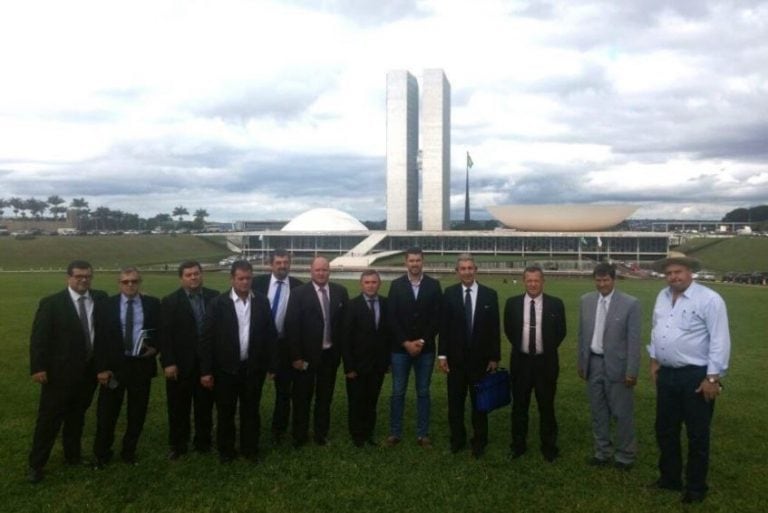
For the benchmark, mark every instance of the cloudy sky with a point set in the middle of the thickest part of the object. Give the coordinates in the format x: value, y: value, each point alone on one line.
x: 262, y: 109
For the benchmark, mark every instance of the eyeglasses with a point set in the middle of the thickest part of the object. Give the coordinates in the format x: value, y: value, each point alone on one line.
x: 130, y: 282
x: 82, y: 276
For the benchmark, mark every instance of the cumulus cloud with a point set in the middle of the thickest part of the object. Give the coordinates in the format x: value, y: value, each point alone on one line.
x: 264, y: 109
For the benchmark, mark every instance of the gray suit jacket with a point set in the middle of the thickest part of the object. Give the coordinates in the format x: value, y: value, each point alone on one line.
x: 621, y: 340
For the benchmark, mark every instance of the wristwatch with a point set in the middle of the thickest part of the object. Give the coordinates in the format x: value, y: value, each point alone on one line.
x: 713, y: 380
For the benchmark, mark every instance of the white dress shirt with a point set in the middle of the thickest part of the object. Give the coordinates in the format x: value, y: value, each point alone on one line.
x: 243, y: 311
x: 538, y: 302
x: 691, y: 331
x: 603, y: 303
x: 88, y: 308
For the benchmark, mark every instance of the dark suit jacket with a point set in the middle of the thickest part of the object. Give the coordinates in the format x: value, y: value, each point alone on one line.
x: 553, y: 330
x: 108, y: 349
x: 219, y: 348
x: 485, y: 345
x: 57, y: 343
x: 178, y: 331
x: 366, y: 348
x: 412, y: 319
x: 304, y: 324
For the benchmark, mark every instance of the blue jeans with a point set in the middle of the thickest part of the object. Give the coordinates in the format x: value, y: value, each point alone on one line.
x: 401, y: 368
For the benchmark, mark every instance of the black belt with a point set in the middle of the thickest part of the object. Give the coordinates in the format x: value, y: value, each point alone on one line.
x: 592, y: 353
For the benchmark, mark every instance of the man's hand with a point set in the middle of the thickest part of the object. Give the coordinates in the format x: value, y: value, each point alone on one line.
x: 709, y: 390
x: 492, y: 366
x: 171, y: 373
x: 630, y: 381
x: 104, y: 377
x: 40, y: 377
x: 442, y: 364
x: 299, y: 365
x: 414, y: 347
x: 147, y: 351
x: 654, y: 370
x: 351, y: 375
x: 271, y: 376
x: 207, y: 381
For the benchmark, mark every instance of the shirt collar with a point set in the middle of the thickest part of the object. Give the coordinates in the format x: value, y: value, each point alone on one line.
x: 76, y: 295
x: 234, y: 297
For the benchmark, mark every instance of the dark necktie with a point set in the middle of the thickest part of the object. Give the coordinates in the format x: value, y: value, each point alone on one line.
x: 128, y: 335
x: 198, y: 310
x: 468, y: 314
x: 326, y: 314
x: 372, y: 306
x: 83, y: 314
x: 532, y: 330
x: 276, y: 300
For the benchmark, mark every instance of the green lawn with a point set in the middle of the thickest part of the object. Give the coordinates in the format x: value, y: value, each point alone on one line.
x: 342, y: 478
x: 740, y: 254
x: 109, y: 251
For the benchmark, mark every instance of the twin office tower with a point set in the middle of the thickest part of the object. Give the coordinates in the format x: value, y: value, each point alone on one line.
x: 403, y: 130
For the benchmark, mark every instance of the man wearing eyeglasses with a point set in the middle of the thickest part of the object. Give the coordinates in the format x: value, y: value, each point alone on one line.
x: 125, y: 364
x: 61, y: 361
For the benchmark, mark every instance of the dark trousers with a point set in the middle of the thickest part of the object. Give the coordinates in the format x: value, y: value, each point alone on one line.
x: 532, y: 374
x: 239, y: 392
x: 181, y: 395
x: 362, y: 398
x: 136, y: 389
x: 317, y: 381
x: 283, y: 391
x: 458, y: 385
x: 677, y: 403
x: 62, y: 404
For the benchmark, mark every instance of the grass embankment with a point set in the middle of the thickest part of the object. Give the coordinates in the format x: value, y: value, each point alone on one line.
x: 108, y: 251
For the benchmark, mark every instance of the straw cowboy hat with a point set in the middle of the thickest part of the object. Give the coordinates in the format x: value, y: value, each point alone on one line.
x: 676, y: 257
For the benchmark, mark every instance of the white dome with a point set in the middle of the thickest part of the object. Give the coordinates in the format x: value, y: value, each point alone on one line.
x: 561, y: 218
x: 324, y: 220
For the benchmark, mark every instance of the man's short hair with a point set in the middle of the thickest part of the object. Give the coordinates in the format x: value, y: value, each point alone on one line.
x: 240, y: 265
x: 279, y: 252
x: 77, y: 264
x: 370, y: 272
x: 189, y: 264
x: 533, y: 269
x: 604, y: 269
x: 414, y: 250
x: 130, y: 269
x: 465, y: 257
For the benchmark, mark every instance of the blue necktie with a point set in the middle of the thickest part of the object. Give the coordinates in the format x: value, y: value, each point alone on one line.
x: 276, y: 300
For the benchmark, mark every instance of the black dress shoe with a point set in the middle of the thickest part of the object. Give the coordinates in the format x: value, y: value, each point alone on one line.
x: 660, y: 484
x: 203, y: 449
x: 358, y: 443
x: 690, y: 497
x: 371, y: 442
x: 620, y: 465
x: 129, y: 459
x: 594, y: 461
x: 253, y: 458
x: 99, y: 464
x: 35, y: 474
x: 321, y: 440
x: 550, y: 454
x: 174, y: 455
x: 226, y: 458
x: 456, y: 448
x: 516, y: 453
x: 478, y: 451
x: 74, y: 461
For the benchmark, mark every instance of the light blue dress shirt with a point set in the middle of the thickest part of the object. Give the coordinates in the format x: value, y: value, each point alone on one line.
x: 692, y: 331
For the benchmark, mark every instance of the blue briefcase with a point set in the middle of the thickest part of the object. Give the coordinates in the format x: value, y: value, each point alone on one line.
x: 492, y: 391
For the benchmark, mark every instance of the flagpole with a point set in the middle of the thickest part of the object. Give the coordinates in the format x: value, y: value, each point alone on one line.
x: 466, y: 197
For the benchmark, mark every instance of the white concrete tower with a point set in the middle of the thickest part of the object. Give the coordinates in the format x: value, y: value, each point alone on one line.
x: 436, y: 151
x: 402, y: 151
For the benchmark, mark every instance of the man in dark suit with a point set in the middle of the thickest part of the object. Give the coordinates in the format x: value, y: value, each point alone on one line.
x: 469, y: 347
x: 61, y: 360
x: 277, y: 286
x: 414, y: 314
x: 534, y: 323
x: 237, y: 352
x: 183, y: 314
x: 609, y: 360
x: 313, y: 328
x: 366, y: 352
x: 125, y: 364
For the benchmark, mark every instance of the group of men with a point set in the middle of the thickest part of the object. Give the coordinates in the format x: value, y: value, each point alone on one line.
x: 219, y: 349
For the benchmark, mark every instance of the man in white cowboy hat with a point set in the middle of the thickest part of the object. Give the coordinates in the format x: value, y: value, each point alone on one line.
x: 689, y: 350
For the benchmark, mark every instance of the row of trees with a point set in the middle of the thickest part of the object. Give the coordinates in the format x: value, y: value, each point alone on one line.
x: 100, y: 218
